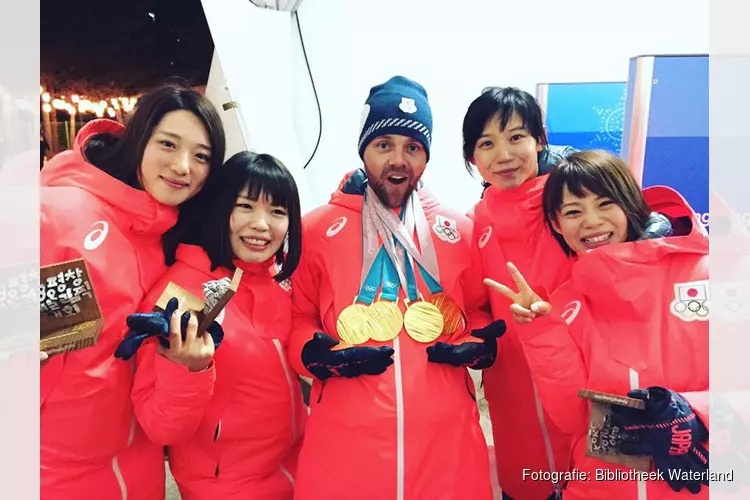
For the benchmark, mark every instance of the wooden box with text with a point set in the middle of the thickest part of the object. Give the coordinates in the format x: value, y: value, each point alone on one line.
x: 604, y: 437
x: 70, y: 317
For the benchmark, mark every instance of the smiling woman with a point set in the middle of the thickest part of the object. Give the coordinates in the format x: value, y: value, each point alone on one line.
x: 169, y: 148
x: 249, y: 212
x: 248, y: 400
x: 110, y: 200
x: 591, y: 199
x: 177, y: 158
x: 505, y: 141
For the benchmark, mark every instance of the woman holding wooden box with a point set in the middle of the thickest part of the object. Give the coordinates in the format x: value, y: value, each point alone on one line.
x: 109, y: 200
x: 236, y: 435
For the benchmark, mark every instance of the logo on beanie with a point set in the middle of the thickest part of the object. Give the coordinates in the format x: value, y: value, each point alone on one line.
x: 408, y: 105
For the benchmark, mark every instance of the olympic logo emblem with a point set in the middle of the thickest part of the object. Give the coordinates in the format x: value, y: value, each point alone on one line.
x: 446, y: 229
x: 691, y: 302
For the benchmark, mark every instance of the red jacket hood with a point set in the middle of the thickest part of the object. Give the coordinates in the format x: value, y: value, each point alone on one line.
x: 631, y: 271
x: 352, y: 187
x: 71, y: 169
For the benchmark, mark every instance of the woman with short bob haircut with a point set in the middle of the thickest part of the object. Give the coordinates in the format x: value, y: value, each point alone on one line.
x: 232, y: 415
x: 261, y: 174
x: 605, y: 176
x: 632, y: 321
x: 109, y: 200
x: 505, y: 139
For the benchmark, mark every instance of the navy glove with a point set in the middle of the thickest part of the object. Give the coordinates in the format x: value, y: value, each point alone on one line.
x: 324, y: 363
x: 669, y: 431
x: 145, y: 325
x: 657, y: 226
x: 476, y: 355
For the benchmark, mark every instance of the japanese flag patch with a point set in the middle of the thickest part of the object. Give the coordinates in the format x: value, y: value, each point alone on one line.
x: 691, y: 301
x: 446, y: 229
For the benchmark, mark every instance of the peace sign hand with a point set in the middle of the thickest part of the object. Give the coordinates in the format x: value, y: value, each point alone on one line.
x: 527, y: 304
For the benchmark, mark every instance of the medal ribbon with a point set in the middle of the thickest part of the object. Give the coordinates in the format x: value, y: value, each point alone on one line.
x: 397, y: 238
x: 375, y: 268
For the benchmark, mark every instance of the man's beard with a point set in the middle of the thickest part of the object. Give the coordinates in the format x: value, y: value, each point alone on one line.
x: 392, y: 195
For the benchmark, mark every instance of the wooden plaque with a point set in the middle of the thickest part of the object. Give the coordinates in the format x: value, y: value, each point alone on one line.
x: 603, y: 436
x: 70, y: 317
x: 189, y: 302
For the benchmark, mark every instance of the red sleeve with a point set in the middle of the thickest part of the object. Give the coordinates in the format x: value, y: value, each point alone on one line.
x: 305, y: 307
x: 168, y: 399
x: 557, y: 368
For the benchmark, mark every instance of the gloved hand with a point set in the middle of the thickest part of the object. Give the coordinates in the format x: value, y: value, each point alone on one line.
x: 657, y: 226
x: 145, y: 325
x: 349, y: 362
x: 476, y: 355
x: 669, y: 431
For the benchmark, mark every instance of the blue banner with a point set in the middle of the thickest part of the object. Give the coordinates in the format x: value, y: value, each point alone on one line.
x: 584, y: 115
x: 668, y: 95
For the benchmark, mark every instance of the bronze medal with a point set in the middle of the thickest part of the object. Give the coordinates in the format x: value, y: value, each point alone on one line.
x: 454, y: 320
x: 353, y: 324
x: 423, y: 321
x: 387, y: 320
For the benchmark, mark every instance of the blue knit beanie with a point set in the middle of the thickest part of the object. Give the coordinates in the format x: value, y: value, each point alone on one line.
x: 398, y: 106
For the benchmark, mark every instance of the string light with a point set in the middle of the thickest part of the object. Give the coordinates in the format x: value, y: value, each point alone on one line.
x: 81, y: 104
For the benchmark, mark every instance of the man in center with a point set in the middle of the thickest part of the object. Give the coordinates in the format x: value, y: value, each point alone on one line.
x: 389, y: 310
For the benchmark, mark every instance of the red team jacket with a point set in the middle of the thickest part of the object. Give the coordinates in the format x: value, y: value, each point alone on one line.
x: 91, y: 446
x: 235, y: 429
x: 509, y: 226
x: 413, y: 432
x: 624, y: 321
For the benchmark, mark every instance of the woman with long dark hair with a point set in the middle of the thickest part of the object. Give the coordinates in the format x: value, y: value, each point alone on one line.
x: 109, y: 200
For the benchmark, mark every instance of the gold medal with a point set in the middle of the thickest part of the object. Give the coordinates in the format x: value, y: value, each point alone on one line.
x: 453, y: 318
x: 423, y: 321
x: 387, y: 320
x: 353, y: 324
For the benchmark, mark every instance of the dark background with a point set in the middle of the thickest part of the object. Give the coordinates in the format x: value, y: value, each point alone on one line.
x: 115, y: 47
